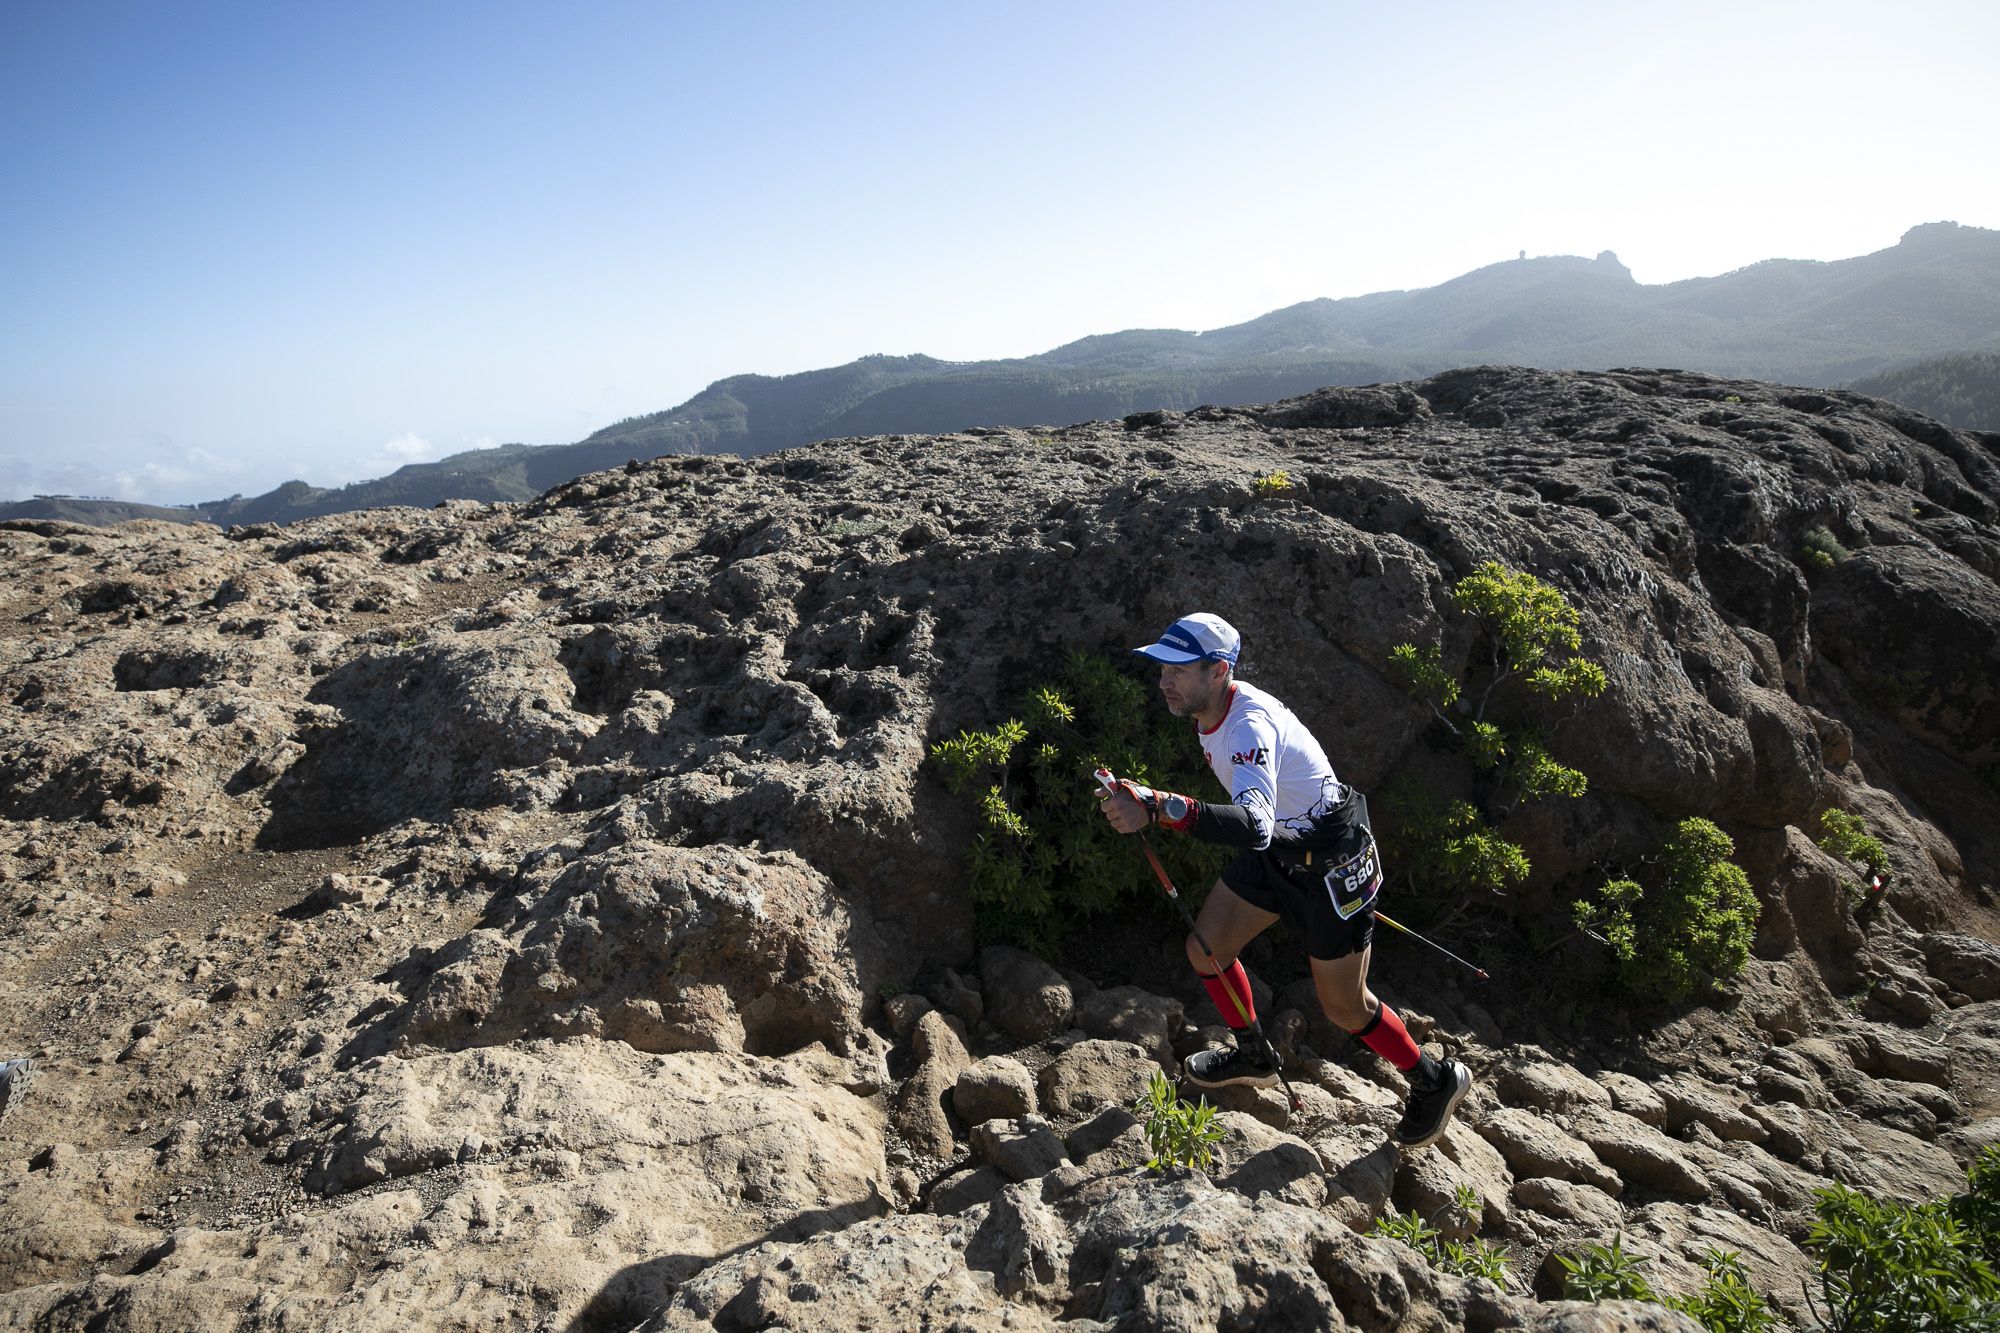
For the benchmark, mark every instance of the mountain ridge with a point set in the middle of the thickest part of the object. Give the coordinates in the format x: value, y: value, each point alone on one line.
x: 1821, y: 323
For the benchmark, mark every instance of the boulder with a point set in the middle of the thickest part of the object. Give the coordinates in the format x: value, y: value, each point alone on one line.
x: 1640, y: 1154
x: 965, y: 1189
x: 996, y: 1088
x: 1634, y: 1097
x: 919, y: 1108
x: 1255, y: 1160
x: 1023, y: 996
x: 1023, y: 1149
x: 1907, y: 1056
x: 1967, y: 964
x: 1022, y: 1244
x: 1547, y: 1087
x: 1690, y: 1101
x: 663, y: 948
x: 1535, y: 1147
x: 1094, y: 1074
x: 1113, y: 1133
x: 1568, y: 1201
x: 1127, y: 1013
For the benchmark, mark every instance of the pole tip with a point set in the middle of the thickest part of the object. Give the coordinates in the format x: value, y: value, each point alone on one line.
x: 1482, y: 974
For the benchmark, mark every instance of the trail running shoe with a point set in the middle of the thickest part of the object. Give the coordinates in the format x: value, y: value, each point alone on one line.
x: 1235, y: 1066
x: 1429, y: 1109
x: 14, y: 1076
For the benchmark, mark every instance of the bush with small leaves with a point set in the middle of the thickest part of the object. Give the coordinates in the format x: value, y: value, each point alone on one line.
x: 1180, y: 1134
x: 1045, y: 858
x: 1272, y: 484
x: 1887, y: 1266
x: 1690, y: 928
x: 1820, y: 550
x: 1447, y: 842
x: 1846, y: 836
x: 1533, y: 639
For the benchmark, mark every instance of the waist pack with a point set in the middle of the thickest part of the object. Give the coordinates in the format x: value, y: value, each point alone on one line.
x: 1344, y: 863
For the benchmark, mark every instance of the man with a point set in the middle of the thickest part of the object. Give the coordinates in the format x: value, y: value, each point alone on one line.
x: 1307, y: 855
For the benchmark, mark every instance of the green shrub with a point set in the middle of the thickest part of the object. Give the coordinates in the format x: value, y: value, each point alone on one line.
x: 1271, y: 485
x: 1819, y: 549
x: 1978, y: 1209
x: 1045, y: 858
x: 1846, y: 836
x: 1439, y: 842
x: 1691, y: 928
x: 1179, y: 1134
x: 1886, y: 1267
x: 1532, y: 636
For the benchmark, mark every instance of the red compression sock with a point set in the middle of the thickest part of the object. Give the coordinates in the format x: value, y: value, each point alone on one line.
x: 1387, y: 1037
x: 1233, y: 981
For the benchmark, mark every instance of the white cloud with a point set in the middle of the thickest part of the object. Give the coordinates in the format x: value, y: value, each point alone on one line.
x: 177, y: 474
x: 407, y: 448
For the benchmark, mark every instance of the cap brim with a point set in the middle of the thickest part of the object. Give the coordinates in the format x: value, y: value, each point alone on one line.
x: 1160, y: 652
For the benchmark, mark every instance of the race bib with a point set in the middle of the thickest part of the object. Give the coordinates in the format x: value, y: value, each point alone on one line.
x: 1352, y: 882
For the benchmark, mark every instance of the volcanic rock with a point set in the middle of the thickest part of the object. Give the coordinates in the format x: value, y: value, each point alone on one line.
x: 527, y: 914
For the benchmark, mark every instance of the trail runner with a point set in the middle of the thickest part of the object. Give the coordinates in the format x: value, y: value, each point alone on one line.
x: 1306, y: 855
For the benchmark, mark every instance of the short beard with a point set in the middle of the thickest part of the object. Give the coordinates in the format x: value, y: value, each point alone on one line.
x: 1193, y: 707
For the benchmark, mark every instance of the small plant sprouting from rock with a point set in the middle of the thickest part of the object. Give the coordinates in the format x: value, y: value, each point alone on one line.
x: 1534, y: 640
x: 1820, y: 550
x: 1726, y: 1303
x: 1179, y: 1133
x: 1691, y: 928
x: 1044, y: 857
x: 1475, y: 1259
x: 1272, y: 484
x: 1605, y: 1273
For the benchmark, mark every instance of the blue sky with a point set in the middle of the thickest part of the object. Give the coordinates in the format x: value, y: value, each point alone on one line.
x: 246, y: 242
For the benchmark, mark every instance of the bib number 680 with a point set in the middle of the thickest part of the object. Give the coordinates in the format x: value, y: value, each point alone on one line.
x: 1353, y: 882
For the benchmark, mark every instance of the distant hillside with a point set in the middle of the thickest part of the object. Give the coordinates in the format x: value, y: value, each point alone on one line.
x: 82, y: 509
x: 1961, y: 391
x: 1933, y: 295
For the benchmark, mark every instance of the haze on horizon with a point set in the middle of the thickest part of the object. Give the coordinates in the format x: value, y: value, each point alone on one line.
x: 244, y: 243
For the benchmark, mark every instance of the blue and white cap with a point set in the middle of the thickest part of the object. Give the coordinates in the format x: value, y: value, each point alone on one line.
x: 1200, y: 637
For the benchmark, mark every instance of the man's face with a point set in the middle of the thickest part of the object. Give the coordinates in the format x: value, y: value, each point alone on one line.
x: 1189, y: 687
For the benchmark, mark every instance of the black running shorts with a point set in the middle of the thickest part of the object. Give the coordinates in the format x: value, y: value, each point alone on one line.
x: 1329, y: 899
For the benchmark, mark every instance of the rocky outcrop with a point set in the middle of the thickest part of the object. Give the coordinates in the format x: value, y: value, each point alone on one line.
x: 544, y: 914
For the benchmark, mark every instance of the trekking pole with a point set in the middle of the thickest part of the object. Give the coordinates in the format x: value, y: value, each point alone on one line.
x: 1479, y: 972
x: 1110, y: 784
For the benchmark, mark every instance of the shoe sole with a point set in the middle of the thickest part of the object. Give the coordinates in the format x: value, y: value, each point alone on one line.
x: 19, y: 1076
x: 1234, y: 1081
x: 1241, y: 1081
x: 1463, y: 1077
